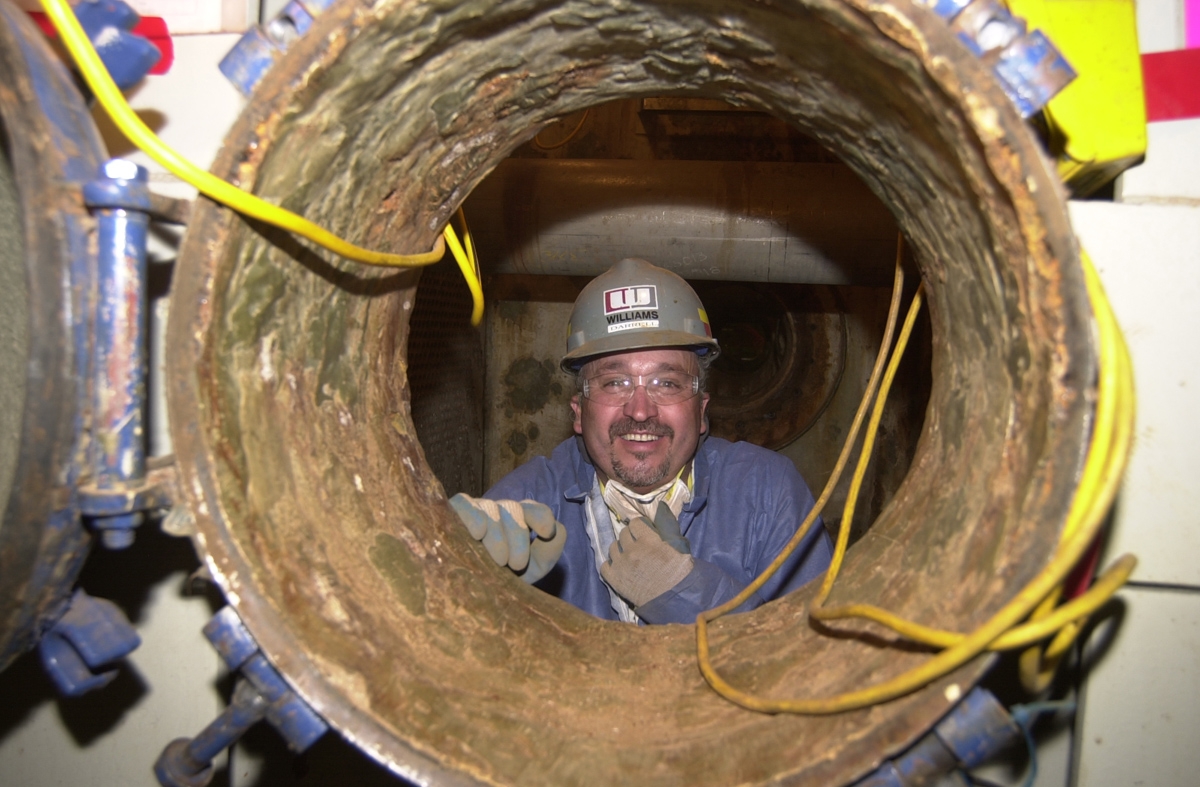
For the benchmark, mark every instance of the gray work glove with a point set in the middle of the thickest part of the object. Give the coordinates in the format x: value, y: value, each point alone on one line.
x: 645, y: 562
x: 667, y: 527
x: 504, y: 528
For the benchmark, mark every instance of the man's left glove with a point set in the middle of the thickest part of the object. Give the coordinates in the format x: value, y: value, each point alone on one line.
x: 648, y: 560
x: 504, y: 528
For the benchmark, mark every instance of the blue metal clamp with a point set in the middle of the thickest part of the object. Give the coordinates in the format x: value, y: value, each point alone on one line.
x: 977, y: 729
x: 261, y: 693
x: 257, y: 50
x: 1030, y: 69
x: 127, y: 56
x: 78, y: 652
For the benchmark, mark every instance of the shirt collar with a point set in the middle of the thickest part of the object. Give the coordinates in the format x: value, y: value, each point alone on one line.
x: 700, y: 477
x: 585, y: 476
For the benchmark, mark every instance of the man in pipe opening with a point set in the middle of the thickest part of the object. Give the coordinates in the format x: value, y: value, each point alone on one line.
x: 641, y: 517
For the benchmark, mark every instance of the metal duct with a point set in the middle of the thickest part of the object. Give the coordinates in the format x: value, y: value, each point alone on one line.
x: 724, y: 220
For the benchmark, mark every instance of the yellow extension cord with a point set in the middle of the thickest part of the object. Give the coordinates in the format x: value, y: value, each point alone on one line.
x: 110, y: 97
x: 1105, y: 463
x: 565, y: 139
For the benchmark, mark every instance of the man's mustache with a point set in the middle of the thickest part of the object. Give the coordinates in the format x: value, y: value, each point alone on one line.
x: 630, y: 426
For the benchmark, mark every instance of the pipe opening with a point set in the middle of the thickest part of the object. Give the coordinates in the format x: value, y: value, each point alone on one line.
x: 293, y: 412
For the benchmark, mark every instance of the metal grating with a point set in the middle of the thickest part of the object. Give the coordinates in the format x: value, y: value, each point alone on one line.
x: 445, y: 376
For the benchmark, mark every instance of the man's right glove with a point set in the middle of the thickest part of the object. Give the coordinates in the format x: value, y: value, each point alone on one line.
x: 504, y: 528
x: 648, y: 560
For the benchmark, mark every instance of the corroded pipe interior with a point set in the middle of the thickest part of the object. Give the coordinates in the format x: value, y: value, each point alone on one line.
x: 322, y: 521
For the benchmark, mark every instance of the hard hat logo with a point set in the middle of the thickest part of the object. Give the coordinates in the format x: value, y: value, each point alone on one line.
x: 626, y: 298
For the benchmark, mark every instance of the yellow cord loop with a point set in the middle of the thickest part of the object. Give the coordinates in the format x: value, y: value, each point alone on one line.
x: 540, y: 146
x: 1105, y: 464
x: 110, y: 97
x: 889, y: 328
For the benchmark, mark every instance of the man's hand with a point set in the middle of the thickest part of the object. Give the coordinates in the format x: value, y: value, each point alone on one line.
x: 648, y: 560
x: 504, y: 528
x: 667, y: 527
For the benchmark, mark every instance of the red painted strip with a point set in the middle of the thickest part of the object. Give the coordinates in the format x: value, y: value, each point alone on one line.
x: 1172, y: 81
x: 152, y: 28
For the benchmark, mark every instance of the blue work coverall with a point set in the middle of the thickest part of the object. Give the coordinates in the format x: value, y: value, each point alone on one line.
x: 746, y: 504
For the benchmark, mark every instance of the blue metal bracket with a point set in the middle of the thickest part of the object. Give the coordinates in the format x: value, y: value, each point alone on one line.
x: 127, y: 56
x: 977, y: 729
x: 1030, y: 69
x: 117, y: 495
x: 261, y: 693
x: 257, y: 50
x: 78, y: 652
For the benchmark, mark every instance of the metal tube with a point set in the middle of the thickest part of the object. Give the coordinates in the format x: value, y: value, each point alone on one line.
x: 120, y: 200
x: 188, y: 763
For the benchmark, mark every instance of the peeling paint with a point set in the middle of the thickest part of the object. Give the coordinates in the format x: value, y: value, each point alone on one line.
x: 264, y: 359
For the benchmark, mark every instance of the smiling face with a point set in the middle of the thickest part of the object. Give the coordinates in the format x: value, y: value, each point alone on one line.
x: 640, y: 443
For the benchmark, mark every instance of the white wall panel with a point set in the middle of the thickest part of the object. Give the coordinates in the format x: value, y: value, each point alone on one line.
x: 1140, y: 713
x: 1160, y: 25
x: 1171, y: 172
x: 1149, y: 259
x: 190, y: 108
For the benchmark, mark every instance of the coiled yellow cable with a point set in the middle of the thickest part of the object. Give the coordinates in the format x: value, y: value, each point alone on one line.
x: 1107, y: 455
x: 110, y: 97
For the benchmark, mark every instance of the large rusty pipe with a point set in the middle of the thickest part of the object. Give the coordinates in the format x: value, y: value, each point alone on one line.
x: 319, y: 516
x: 51, y: 149
x: 723, y: 220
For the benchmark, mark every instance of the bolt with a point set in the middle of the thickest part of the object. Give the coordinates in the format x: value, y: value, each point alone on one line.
x: 118, y: 532
x: 117, y: 539
x: 124, y: 169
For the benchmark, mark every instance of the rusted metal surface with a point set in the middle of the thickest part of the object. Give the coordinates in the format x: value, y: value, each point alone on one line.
x: 52, y: 149
x: 157, y: 490
x: 289, y: 405
x: 169, y: 210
